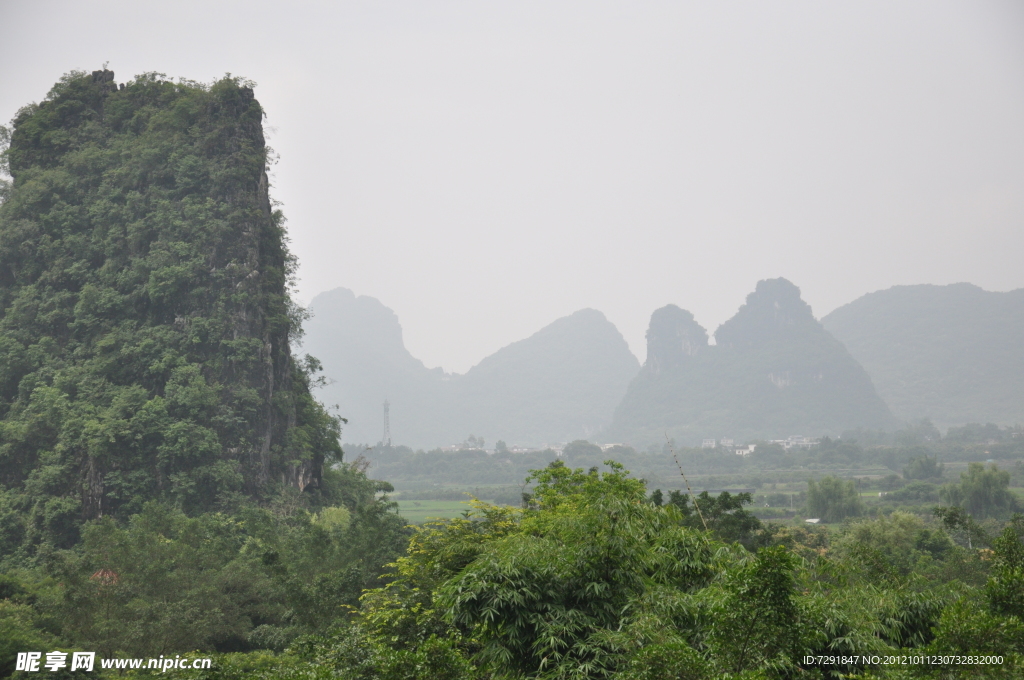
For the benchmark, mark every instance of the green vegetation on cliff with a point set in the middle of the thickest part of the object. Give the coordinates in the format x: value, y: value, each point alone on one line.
x: 167, y: 480
x: 144, y: 312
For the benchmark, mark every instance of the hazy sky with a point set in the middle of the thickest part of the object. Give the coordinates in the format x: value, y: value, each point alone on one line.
x: 484, y: 168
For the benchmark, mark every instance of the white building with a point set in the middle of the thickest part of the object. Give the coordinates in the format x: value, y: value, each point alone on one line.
x: 796, y: 441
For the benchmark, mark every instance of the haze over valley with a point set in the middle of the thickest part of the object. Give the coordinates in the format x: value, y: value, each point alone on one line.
x: 512, y: 340
x: 945, y: 353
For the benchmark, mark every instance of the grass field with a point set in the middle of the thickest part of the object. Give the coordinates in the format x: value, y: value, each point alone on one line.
x: 418, y: 512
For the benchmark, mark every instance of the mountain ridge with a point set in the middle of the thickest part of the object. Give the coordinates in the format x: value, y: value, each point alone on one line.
x: 560, y: 383
x: 773, y: 372
x: 946, y: 352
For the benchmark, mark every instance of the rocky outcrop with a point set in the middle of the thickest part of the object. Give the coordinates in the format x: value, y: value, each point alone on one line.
x: 774, y: 312
x: 157, y: 315
x: 672, y: 337
x: 773, y: 372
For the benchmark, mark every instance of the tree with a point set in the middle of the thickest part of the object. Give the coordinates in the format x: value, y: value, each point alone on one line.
x: 964, y: 628
x: 833, y: 499
x: 956, y: 519
x: 1005, y: 589
x: 724, y: 514
x: 163, y: 584
x: 923, y: 467
x: 982, y: 491
x: 890, y: 546
x: 753, y: 619
x: 914, y: 492
x: 594, y: 579
x: 580, y: 448
x: 546, y: 599
x: 166, y: 582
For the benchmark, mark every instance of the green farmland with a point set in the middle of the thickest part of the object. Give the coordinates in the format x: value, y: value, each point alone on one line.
x: 418, y: 512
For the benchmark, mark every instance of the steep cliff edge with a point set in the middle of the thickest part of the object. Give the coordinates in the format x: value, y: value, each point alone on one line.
x: 144, y: 311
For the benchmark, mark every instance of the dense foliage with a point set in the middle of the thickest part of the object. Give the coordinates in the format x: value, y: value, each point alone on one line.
x: 594, y: 579
x: 983, y: 492
x: 144, y: 312
x: 168, y: 485
x: 166, y: 583
x: 832, y: 499
x: 167, y: 481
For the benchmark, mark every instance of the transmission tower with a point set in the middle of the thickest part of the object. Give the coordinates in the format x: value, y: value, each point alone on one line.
x: 386, y: 441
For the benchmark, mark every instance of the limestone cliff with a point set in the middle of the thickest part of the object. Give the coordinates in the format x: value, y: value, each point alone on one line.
x: 144, y: 311
x: 672, y: 337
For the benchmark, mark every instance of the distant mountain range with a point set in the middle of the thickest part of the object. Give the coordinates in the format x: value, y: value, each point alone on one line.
x: 359, y: 342
x: 953, y: 353
x: 950, y: 353
x: 773, y: 372
x: 561, y: 383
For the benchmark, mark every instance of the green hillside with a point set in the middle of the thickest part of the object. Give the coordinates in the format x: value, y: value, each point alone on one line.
x: 144, y: 312
x: 773, y: 372
x: 949, y: 353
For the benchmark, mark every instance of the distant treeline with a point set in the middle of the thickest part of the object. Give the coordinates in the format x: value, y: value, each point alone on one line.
x: 875, y: 452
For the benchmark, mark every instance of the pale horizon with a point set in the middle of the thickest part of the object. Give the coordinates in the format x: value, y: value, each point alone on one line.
x: 485, y: 170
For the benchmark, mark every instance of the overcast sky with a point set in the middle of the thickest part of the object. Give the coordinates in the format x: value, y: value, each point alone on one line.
x: 484, y: 168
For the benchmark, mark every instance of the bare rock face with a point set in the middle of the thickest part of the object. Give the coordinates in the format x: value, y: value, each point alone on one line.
x: 672, y: 337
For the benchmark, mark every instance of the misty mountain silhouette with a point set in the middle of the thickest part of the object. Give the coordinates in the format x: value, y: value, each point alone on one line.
x: 951, y: 353
x: 359, y: 342
x: 561, y: 383
x: 773, y: 372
